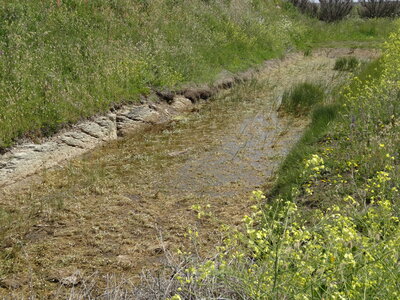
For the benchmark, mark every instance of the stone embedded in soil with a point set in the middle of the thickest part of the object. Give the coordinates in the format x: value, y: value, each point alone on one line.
x: 142, y: 113
x: 178, y: 153
x: 102, y: 128
x: 70, y: 281
x: 181, y: 103
x: 78, y: 139
x: 65, y: 277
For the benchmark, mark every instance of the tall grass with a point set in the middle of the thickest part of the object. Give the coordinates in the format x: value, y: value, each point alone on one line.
x: 62, y: 63
x: 302, y: 97
x: 346, y: 64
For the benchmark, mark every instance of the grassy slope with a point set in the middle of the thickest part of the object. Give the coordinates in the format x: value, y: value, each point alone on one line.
x: 62, y: 64
x: 330, y: 229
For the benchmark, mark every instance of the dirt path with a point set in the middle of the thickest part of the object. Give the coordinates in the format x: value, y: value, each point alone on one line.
x: 105, y: 212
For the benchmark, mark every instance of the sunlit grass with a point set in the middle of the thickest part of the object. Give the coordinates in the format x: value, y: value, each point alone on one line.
x: 86, y: 56
x: 302, y: 97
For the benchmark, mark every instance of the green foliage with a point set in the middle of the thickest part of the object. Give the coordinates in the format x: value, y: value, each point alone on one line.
x: 62, y: 64
x: 346, y: 64
x: 302, y: 97
x: 307, y: 52
x: 292, y: 167
x: 351, y: 32
x: 59, y: 64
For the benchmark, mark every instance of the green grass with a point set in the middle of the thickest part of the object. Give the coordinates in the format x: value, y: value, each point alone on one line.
x: 292, y: 167
x: 346, y: 64
x: 353, y: 32
x: 61, y: 64
x: 323, y: 119
x: 302, y: 97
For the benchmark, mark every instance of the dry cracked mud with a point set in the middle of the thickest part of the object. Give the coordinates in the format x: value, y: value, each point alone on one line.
x: 105, y: 212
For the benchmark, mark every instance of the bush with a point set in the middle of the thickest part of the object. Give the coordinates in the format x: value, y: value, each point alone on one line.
x: 334, y: 10
x: 302, y: 97
x: 379, y: 8
x: 327, y: 10
x: 346, y: 64
x: 306, y: 7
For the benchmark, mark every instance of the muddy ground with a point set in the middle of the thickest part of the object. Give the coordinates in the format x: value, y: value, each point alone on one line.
x: 116, y: 209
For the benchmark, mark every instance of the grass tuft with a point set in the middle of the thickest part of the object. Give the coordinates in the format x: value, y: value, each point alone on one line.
x: 346, y: 64
x: 302, y: 97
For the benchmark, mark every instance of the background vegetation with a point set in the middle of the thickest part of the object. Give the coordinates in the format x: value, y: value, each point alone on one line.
x: 61, y: 63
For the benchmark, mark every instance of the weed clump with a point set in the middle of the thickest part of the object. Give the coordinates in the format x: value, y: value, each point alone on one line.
x: 346, y: 64
x: 302, y: 97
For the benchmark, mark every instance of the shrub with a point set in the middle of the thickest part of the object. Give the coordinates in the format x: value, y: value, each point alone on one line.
x: 346, y: 64
x: 326, y: 10
x: 302, y: 97
x: 334, y: 10
x: 379, y: 8
x: 306, y: 7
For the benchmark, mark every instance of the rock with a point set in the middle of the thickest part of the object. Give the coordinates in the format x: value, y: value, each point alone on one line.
x: 60, y: 276
x: 46, y: 147
x: 78, y: 139
x: 92, y: 129
x: 181, y: 103
x: 141, y: 113
x: 20, y: 155
x: 103, y: 128
x: 71, y: 281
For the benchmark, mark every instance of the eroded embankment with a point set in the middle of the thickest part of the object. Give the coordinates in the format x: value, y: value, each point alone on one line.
x: 27, y: 158
x: 105, y: 213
